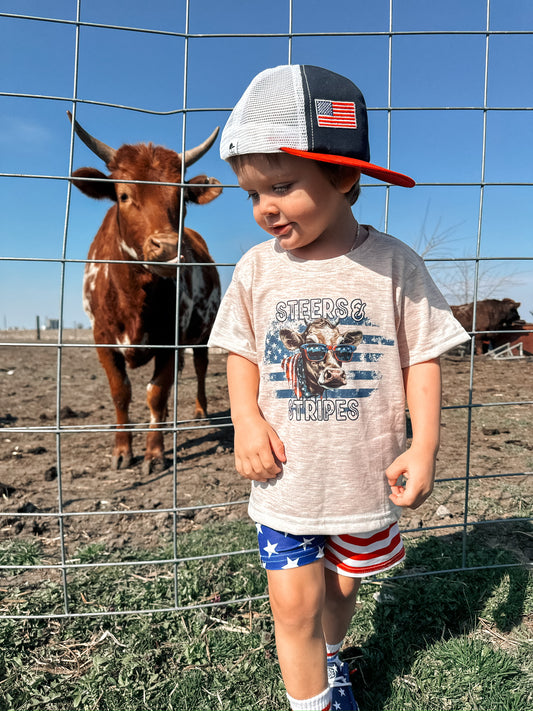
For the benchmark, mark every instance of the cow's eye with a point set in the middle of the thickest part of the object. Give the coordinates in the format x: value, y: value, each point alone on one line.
x: 124, y: 197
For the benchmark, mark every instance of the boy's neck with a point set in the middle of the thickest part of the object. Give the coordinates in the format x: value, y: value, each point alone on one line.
x: 331, y: 248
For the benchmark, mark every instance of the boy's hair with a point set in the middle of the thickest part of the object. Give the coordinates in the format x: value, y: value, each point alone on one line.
x: 333, y: 172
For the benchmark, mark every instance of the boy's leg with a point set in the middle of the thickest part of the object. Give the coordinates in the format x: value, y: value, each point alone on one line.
x: 341, y: 595
x: 355, y: 555
x: 339, y: 606
x: 297, y: 598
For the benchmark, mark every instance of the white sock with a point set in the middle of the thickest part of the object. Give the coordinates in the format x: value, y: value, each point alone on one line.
x: 322, y: 702
x: 333, y: 650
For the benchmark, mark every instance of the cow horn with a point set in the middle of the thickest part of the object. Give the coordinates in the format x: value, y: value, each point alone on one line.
x: 194, y: 154
x: 103, y: 151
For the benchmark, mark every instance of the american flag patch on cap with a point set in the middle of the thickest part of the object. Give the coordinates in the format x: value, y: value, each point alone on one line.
x: 335, y: 114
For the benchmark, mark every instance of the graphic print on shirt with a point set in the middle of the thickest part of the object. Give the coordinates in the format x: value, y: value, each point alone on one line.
x: 312, y: 347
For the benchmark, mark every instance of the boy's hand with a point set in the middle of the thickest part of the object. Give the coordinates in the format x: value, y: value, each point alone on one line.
x: 418, y: 470
x: 258, y: 450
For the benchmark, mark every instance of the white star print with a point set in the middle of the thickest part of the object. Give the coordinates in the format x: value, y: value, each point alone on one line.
x: 336, y: 705
x: 291, y: 563
x: 259, y: 528
x: 320, y: 553
x: 306, y: 542
x: 270, y: 548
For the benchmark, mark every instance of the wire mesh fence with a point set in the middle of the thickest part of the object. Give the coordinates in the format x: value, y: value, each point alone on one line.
x: 65, y: 349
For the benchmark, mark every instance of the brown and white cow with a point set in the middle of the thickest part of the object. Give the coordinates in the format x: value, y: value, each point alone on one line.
x: 132, y: 304
x: 491, y: 315
x: 310, y: 377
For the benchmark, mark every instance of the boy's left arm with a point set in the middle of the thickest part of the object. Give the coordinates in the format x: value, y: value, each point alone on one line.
x: 417, y: 465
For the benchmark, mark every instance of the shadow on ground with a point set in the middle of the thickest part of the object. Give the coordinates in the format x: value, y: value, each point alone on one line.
x: 415, y: 613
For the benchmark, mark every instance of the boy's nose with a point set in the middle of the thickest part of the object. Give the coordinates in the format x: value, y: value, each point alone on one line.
x: 268, y: 206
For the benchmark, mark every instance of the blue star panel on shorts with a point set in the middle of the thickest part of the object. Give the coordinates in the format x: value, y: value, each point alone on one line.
x: 281, y: 551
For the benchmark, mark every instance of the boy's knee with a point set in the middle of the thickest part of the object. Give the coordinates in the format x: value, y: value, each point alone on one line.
x: 297, y: 613
x: 298, y: 605
x: 341, y: 589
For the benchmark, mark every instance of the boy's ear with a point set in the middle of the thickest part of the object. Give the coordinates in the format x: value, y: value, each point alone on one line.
x: 350, y: 176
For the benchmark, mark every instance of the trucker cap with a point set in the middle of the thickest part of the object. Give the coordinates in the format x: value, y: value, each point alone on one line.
x: 306, y: 111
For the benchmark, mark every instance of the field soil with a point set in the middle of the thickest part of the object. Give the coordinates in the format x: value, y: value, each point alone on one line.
x: 44, y: 470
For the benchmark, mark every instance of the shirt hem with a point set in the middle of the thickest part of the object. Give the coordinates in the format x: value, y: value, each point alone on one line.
x: 328, y: 527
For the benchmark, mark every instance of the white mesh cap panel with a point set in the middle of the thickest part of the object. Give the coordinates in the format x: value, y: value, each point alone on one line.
x: 270, y: 114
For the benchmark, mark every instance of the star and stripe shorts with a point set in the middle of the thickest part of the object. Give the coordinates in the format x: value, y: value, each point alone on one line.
x: 353, y: 555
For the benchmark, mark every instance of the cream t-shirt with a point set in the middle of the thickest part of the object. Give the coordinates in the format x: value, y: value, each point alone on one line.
x: 342, y: 421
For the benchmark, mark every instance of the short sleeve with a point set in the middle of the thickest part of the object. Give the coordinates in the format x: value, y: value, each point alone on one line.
x: 427, y: 327
x: 233, y: 328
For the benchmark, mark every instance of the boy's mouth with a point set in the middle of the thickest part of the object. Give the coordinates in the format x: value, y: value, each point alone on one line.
x: 280, y: 230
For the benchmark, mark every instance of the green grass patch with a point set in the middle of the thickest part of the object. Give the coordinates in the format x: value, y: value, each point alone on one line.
x: 445, y: 641
x: 20, y: 553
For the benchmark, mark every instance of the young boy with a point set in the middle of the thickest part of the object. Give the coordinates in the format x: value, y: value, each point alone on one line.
x: 330, y: 326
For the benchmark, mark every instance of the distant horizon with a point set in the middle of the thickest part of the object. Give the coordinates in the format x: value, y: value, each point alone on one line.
x: 449, y: 93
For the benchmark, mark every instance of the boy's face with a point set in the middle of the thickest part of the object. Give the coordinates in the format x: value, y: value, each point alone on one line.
x: 295, y: 202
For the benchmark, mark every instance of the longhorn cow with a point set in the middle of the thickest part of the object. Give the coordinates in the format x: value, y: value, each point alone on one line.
x: 131, y: 299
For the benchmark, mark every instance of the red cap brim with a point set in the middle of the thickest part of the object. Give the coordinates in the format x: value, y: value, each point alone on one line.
x: 375, y: 171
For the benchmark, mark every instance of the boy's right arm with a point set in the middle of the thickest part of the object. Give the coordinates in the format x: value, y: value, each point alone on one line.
x: 258, y: 449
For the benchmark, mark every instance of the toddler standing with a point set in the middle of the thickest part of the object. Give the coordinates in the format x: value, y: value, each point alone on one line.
x: 331, y: 326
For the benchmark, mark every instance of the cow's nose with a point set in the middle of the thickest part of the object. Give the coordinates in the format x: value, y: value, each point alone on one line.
x: 155, y: 244
x: 164, y: 248
x: 331, y: 374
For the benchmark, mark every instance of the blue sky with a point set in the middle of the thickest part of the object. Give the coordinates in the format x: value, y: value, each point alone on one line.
x: 435, y: 145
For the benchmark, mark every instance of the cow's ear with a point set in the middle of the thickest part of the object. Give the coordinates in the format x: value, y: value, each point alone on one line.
x: 290, y: 339
x: 98, y: 189
x: 202, y: 189
x: 354, y: 338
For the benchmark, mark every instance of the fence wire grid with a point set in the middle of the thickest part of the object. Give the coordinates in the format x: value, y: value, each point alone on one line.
x: 189, y: 110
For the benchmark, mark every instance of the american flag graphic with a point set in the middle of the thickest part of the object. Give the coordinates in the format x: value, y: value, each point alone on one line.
x: 290, y: 366
x: 335, y: 114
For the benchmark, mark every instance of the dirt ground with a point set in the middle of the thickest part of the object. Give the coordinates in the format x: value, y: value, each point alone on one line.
x: 31, y: 451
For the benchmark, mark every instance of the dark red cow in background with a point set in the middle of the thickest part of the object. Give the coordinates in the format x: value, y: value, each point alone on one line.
x: 132, y: 306
x: 491, y: 315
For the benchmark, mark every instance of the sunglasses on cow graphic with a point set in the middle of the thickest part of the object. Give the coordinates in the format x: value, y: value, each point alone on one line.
x: 316, y: 352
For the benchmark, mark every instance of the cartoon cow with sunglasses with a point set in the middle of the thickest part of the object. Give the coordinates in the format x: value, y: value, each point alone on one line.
x: 322, y: 351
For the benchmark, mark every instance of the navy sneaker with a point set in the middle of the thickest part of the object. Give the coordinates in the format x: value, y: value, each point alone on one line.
x: 342, y: 698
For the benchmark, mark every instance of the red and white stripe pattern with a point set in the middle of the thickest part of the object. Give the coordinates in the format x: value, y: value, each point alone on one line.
x: 365, y: 553
x: 290, y: 366
x: 335, y: 114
